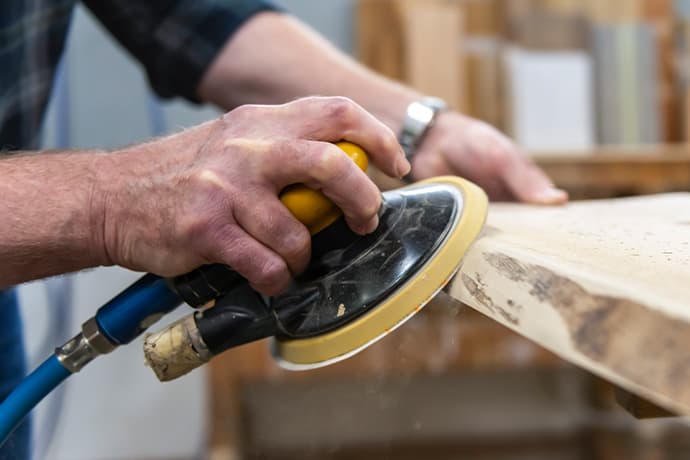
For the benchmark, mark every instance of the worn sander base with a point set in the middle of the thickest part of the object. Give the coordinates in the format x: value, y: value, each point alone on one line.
x: 412, y: 296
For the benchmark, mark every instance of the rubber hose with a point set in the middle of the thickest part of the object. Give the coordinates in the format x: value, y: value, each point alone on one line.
x: 36, y: 386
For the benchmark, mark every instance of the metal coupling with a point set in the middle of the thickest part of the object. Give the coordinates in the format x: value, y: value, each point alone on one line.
x: 84, y: 347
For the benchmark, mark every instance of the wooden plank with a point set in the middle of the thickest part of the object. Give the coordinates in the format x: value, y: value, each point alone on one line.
x: 615, y: 11
x: 380, y: 37
x: 603, y: 284
x: 414, y: 41
x: 482, y: 17
x: 660, y: 13
x: 433, y: 32
x: 483, y: 80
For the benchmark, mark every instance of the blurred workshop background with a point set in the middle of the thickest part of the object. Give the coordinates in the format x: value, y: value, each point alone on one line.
x: 596, y: 90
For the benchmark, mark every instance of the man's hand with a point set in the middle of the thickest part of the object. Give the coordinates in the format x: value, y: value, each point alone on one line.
x: 460, y: 145
x: 210, y: 194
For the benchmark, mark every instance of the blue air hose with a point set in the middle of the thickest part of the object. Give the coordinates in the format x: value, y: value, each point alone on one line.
x: 30, y: 392
x: 116, y: 323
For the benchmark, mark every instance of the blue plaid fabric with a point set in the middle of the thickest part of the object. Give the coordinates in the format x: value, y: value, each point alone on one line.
x: 32, y: 36
x: 175, y: 40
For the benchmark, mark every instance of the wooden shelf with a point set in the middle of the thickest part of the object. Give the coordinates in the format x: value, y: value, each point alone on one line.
x: 619, y: 171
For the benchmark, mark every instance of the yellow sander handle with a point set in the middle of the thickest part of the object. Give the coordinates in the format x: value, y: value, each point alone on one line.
x: 312, y: 207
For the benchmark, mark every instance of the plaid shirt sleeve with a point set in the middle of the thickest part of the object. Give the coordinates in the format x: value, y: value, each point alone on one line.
x: 175, y: 40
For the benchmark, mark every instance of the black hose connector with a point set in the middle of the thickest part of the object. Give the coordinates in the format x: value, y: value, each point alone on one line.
x: 206, y: 284
x: 229, y: 325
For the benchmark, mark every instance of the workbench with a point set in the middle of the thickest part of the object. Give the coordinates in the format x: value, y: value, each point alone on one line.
x: 609, y: 172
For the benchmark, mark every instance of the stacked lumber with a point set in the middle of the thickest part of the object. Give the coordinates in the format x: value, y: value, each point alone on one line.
x: 625, y: 64
x: 415, y: 41
x: 480, y: 61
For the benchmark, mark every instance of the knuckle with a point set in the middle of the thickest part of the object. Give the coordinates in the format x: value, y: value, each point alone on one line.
x: 330, y: 164
x: 271, y: 272
x: 205, y: 206
x: 368, y: 204
x: 341, y: 110
x: 387, y: 140
x: 240, y: 111
x: 208, y: 181
x: 296, y: 245
x: 285, y: 235
x: 232, y: 247
x: 221, y: 242
x: 371, y: 206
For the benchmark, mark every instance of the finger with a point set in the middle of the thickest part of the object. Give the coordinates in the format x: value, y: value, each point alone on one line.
x: 267, y: 220
x: 529, y: 183
x: 430, y: 162
x: 496, y: 190
x: 265, y: 270
x: 336, y: 118
x: 323, y: 166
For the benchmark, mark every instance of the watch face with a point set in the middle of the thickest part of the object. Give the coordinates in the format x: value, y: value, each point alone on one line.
x: 420, y: 112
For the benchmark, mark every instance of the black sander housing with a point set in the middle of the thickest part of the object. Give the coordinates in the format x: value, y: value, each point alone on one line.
x: 355, y: 290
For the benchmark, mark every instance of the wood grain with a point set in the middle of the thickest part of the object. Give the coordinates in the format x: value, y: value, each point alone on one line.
x: 433, y: 31
x: 603, y: 284
x: 382, y: 52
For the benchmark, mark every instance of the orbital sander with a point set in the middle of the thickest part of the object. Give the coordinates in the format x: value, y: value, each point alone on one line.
x: 355, y: 290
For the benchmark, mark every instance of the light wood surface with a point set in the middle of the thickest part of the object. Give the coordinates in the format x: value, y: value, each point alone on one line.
x: 603, y: 284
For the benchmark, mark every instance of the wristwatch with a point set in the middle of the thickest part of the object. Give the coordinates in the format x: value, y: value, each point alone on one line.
x: 419, y: 117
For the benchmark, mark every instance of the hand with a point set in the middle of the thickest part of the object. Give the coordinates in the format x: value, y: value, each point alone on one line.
x: 460, y: 145
x: 210, y: 194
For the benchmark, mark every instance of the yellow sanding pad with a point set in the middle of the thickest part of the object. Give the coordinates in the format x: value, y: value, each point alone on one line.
x: 334, y: 346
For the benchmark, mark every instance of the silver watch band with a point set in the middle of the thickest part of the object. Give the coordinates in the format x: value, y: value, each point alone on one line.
x: 419, y: 117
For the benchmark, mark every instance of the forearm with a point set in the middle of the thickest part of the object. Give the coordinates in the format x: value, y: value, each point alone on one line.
x: 58, y: 208
x: 49, y: 219
x: 296, y: 62
x: 274, y: 58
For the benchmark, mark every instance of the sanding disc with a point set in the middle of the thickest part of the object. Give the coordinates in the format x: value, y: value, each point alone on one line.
x: 373, y: 295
